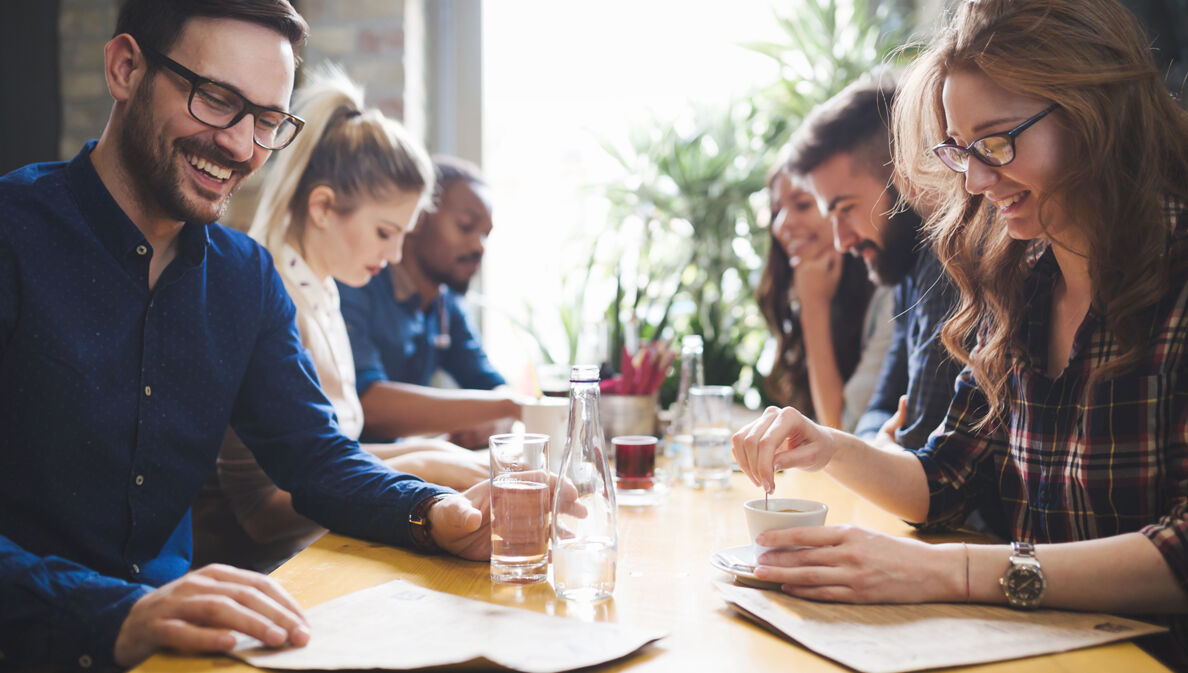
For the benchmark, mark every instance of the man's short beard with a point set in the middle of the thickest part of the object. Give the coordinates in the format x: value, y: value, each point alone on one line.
x: 155, y: 178
x: 459, y: 287
x: 897, y: 256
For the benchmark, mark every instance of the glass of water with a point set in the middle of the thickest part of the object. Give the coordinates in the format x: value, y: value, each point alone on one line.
x: 520, y: 508
x: 710, y: 412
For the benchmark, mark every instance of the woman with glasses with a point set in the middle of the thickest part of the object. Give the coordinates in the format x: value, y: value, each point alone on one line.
x: 826, y: 362
x: 1061, y: 176
x: 335, y: 205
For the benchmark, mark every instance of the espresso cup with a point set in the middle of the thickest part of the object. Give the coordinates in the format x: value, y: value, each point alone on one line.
x: 781, y: 513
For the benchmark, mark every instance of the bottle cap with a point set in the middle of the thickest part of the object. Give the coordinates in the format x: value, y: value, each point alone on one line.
x: 583, y: 374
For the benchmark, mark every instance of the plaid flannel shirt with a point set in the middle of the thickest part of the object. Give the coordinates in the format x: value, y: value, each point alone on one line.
x: 1078, y: 462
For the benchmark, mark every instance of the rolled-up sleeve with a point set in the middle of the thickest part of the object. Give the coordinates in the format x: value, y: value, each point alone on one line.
x: 1170, y: 532
x: 958, y: 459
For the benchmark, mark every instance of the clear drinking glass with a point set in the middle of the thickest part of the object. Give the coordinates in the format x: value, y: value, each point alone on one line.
x: 520, y: 508
x: 710, y: 412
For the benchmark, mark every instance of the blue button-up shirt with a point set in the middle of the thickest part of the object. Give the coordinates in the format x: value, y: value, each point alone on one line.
x: 394, y: 340
x: 917, y: 364
x: 113, y: 403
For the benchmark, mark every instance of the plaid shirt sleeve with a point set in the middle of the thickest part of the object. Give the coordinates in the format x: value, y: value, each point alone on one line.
x: 1170, y: 532
x: 957, y: 459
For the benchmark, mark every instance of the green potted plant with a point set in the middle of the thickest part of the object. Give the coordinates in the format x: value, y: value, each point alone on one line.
x: 684, y: 247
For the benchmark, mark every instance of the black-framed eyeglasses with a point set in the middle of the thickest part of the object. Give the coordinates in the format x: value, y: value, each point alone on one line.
x: 221, y: 107
x: 996, y: 149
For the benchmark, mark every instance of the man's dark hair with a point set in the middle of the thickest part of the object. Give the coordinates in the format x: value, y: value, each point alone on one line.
x: 857, y: 121
x: 157, y: 23
x: 449, y: 170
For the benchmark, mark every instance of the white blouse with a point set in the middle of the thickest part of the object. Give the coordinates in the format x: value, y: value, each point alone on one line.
x: 324, y: 335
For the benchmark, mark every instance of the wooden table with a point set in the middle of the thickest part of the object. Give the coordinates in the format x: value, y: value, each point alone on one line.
x: 664, y: 581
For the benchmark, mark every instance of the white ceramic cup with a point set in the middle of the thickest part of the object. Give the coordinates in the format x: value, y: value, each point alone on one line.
x: 548, y: 416
x: 759, y: 520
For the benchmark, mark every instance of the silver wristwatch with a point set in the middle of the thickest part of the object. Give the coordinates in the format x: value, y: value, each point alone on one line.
x: 1023, y: 583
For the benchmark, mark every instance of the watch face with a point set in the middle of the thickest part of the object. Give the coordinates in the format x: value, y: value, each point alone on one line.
x: 1025, y: 584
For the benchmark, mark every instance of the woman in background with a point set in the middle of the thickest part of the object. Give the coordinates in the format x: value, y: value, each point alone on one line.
x: 832, y: 325
x: 336, y: 205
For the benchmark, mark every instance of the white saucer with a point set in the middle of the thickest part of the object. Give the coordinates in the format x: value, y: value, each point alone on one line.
x: 740, y: 562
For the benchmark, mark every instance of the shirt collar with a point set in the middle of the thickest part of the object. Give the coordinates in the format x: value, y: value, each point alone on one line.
x: 321, y: 295
x: 112, y: 225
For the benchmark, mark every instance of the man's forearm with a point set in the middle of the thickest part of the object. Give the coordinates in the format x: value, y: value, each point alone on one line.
x: 401, y: 409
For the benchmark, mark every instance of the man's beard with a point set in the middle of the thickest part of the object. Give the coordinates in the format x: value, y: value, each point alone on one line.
x: 457, y: 282
x: 896, y: 257
x: 157, y: 179
x: 460, y: 284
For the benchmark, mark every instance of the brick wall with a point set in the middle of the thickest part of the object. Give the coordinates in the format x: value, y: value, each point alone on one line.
x: 366, y: 37
x: 84, y: 26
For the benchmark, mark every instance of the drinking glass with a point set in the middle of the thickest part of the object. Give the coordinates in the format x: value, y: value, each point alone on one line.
x: 636, y: 479
x: 710, y: 417
x: 520, y: 508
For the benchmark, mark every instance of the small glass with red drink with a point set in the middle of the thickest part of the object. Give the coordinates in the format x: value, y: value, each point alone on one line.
x: 636, y: 482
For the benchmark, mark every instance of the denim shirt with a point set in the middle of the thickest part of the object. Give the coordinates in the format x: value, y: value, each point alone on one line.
x: 393, y: 339
x: 917, y: 363
x: 113, y: 403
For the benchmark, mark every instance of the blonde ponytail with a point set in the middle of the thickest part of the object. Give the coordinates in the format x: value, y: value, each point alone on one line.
x: 354, y: 151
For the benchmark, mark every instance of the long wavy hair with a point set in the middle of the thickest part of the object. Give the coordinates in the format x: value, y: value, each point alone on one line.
x: 1129, y: 152
x: 357, y: 152
x: 788, y: 383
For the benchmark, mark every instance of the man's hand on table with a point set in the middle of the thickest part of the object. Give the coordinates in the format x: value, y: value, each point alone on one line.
x: 198, y: 611
x: 461, y: 523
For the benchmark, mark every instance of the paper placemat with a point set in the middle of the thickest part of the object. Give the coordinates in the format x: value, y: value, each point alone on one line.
x: 897, y: 638
x: 400, y: 626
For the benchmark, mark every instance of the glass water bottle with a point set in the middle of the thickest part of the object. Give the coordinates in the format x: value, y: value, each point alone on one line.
x: 585, y: 536
x: 679, y: 445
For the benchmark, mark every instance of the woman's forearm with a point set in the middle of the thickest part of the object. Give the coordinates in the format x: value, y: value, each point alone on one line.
x: 400, y: 410
x: 890, y: 477
x: 825, y: 381
x: 1122, y: 574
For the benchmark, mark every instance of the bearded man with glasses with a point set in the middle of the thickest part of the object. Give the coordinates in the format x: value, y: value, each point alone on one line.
x: 134, y: 329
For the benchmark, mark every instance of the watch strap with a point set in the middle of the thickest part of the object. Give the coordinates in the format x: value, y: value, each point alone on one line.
x: 419, y: 527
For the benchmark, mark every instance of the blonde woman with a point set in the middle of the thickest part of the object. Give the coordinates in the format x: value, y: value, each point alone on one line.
x: 335, y: 206
x: 1060, y: 164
